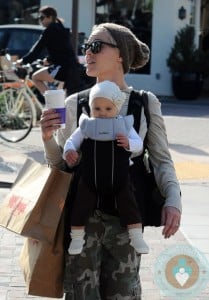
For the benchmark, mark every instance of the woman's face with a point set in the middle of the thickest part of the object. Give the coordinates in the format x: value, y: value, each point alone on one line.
x: 105, y: 64
x: 44, y: 20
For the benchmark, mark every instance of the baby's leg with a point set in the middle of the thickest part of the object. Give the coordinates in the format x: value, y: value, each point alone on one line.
x: 83, y: 207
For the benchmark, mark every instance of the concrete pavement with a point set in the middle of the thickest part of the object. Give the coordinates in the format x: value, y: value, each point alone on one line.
x: 193, y: 175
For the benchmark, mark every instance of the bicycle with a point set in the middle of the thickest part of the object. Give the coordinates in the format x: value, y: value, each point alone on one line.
x: 19, y: 105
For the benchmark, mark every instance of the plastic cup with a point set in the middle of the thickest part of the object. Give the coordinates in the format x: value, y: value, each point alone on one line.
x: 56, y: 99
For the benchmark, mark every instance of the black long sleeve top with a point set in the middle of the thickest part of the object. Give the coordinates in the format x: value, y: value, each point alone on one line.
x: 56, y: 40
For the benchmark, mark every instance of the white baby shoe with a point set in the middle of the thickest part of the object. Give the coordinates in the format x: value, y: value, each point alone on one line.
x: 137, y: 241
x: 77, y: 242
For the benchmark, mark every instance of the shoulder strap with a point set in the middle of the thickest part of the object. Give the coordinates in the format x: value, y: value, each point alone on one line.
x: 146, y: 112
x: 83, y: 103
x: 146, y: 107
x: 136, y: 100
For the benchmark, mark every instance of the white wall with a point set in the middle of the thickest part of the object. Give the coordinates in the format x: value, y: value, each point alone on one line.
x: 165, y: 25
x: 64, y: 9
x: 86, y: 15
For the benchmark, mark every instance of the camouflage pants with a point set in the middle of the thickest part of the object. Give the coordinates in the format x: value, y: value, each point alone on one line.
x: 107, y: 268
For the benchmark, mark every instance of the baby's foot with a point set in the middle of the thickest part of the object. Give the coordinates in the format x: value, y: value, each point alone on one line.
x: 77, y: 241
x: 76, y: 246
x: 137, y: 241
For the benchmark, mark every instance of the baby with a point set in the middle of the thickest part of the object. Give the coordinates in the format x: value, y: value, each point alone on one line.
x: 106, y: 141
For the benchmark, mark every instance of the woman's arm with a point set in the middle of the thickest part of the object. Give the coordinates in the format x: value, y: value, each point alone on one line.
x: 35, y: 51
x: 160, y: 157
x: 164, y: 170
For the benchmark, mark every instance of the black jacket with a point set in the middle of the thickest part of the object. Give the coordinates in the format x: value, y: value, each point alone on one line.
x: 56, y: 40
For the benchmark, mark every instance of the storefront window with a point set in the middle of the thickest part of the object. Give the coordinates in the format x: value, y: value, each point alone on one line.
x: 19, y: 11
x: 134, y: 14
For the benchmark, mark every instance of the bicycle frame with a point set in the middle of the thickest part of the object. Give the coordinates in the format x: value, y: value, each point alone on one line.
x: 24, y: 88
x: 17, y: 114
x: 20, y: 106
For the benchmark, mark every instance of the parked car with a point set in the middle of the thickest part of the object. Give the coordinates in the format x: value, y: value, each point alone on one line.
x: 19, y: 38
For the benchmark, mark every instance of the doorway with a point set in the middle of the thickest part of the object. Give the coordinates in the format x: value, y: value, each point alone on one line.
x: 134, y: 14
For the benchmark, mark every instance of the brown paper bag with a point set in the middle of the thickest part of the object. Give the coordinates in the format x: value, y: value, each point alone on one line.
x: 43, y: 266
x: 34, y: 205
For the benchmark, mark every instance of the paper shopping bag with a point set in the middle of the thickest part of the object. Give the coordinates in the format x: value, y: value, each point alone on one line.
x: 34, y: 205
x: 42, y: 264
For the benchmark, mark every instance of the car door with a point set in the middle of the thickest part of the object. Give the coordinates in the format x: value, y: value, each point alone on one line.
x: 21, y: 40
x: 3, y: 38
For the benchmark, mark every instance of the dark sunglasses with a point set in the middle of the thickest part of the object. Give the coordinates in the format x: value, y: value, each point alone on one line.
x: 41, y: 18
x: 95, y: 47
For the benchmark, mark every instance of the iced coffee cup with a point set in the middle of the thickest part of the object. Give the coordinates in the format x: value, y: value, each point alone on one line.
x: 56, y: 99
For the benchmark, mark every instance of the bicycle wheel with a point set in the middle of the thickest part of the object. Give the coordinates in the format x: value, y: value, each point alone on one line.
x: 16, y: 115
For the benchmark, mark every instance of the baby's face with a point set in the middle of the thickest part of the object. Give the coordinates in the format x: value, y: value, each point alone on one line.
x: 103, y: 108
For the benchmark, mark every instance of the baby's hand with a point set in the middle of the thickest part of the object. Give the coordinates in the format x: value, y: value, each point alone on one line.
x: 71, y: 157
x: 122, y: 141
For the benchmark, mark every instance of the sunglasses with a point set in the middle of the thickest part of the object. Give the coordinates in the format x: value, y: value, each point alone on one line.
x: 41, y: 18
x: 95, y: 47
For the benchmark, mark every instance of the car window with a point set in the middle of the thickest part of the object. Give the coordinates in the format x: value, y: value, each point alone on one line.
x: 21, y: 40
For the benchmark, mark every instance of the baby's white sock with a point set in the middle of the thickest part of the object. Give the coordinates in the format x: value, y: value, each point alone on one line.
x: 136, y: 237
x: 77, y: 242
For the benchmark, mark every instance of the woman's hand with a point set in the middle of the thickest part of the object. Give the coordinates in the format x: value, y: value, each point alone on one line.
x: 49, y: 121
x: 122, y: 141
x: 18, y: 63
x: 171, y: 218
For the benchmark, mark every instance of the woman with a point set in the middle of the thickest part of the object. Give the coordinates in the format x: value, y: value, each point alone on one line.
x: 61, y: 63
x: 108, y: 267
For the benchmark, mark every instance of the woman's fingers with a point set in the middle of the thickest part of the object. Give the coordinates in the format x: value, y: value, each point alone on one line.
x: 49, y: 122
x: 171, y: 218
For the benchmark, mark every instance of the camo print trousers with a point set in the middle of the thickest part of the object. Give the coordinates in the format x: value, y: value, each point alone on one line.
x: 107, y: 268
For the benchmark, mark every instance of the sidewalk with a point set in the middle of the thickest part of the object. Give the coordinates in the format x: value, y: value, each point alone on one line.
x: 194, y: 179
x: 12, y: 286
x: 193, y: 175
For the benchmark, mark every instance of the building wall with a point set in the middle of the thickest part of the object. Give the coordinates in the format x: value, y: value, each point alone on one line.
x: 165, y: 25
x: 63, y: 7
x: 86, y: 13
